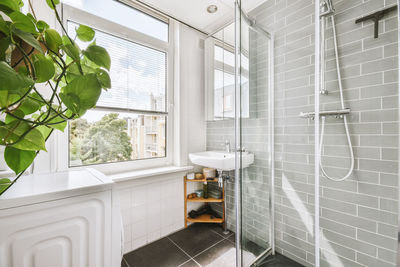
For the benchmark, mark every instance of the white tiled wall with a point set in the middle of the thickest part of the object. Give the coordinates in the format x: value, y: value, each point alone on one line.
x: 151, y: 208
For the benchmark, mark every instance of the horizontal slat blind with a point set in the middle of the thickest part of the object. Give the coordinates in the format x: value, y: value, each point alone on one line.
x: 138, y: 74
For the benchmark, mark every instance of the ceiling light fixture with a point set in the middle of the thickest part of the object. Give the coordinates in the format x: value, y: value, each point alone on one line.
x: 212, y: 9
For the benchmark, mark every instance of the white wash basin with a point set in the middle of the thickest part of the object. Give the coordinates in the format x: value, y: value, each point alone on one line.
x: 220, y: 160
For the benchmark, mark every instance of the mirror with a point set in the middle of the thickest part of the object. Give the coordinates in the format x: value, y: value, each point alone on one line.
x: 220, y: 76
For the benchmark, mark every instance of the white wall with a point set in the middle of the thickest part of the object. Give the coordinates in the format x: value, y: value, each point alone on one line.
x: 191, y: 92
x: 153, y: 207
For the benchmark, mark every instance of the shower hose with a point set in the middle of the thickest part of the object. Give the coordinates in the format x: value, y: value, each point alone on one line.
x: 346, y: 127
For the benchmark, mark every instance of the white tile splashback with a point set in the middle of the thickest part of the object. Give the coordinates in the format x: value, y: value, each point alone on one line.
x: 151, y: 208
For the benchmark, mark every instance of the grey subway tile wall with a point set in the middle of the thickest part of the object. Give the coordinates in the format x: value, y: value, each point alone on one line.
x: 358, y: 216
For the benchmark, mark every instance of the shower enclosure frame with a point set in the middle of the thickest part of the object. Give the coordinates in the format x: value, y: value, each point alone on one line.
x: 317, y: 156
x: 398, y: 151
x: 239, y: 17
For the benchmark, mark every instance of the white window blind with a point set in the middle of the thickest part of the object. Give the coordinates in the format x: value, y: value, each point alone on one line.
x: 138, y: 74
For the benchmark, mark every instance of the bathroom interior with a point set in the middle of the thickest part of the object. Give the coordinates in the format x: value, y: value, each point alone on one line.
x: 234, y: 133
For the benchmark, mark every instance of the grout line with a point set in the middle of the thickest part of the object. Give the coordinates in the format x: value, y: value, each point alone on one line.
x: 190, y: 257
x: 222, y: 235
x: 179, y: 248
x: 126, y: 262
x: 189, y: 261
x: 208, y: 248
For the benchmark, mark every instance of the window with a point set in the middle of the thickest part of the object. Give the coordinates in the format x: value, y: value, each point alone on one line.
x: 224, y: 83
x: 122, y: 14
x: 130, y: 121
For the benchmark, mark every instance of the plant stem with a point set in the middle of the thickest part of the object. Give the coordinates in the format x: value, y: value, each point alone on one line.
x: 16, y: 102
x: 22, y: 58
x: 31, y: 7
x: 26, y: 57
x: 42, y: 122
x: 21, y: 173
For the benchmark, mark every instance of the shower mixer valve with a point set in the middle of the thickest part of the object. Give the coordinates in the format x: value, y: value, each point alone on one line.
x: 324, y: 92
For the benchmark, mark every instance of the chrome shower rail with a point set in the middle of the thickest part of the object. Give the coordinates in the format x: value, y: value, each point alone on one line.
x: 339, y: 112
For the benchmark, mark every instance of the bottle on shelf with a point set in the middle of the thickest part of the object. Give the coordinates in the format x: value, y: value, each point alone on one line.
x: 205, y: 190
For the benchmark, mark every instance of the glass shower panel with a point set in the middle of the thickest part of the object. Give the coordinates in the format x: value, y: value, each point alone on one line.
x: 255, y: 138
x: 292, y: 23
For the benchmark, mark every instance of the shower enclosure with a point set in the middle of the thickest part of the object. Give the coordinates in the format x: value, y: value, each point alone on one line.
x: 254, y: 187
x: 316, y: 100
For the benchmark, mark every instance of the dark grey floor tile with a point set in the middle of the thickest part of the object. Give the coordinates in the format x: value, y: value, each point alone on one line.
x: 162, y: 253
x: 253, y: 248
x: 232, y: 238
x: 279, y: 260
x: 196, y: 238
x: 123, y: 263
x: 190, y: 263
x: 221, y: 255
x: 219, y: 230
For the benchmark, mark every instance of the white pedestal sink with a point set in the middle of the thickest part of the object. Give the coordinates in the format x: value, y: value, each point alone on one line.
x: 220, y: 160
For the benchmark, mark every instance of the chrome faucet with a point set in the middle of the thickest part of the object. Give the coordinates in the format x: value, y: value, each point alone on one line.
x: 227, y: 146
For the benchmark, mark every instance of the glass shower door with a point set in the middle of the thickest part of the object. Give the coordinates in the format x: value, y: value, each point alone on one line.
x: 254, y: 140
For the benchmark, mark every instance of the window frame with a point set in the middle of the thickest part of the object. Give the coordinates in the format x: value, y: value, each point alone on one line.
x: 62, y: 139
x: 211, y: 64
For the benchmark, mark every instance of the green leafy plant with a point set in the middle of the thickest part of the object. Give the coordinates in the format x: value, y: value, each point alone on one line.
x: 45, y: 80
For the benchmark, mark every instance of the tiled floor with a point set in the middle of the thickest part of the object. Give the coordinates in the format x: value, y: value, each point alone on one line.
x: 278, y: 261
x: 198, y: 245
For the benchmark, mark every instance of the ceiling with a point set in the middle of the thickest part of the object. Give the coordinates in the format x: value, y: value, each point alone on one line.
x: 194, y: 12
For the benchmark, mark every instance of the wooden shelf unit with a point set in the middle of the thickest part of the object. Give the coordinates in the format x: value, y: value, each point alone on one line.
x: 202, y: 199
x: 205, y: 218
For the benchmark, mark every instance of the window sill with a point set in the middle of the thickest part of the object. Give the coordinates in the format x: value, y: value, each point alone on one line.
x: 7, y: 174
x: 126, y: 176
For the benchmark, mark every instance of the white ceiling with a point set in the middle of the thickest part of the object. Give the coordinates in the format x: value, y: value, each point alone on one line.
x: 194, y: 12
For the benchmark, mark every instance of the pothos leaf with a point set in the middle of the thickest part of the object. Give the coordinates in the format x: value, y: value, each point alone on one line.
x: 52, y: 3
x: 29, y: 106
x: 8, y: 6
x: 72, y: 102
x: 7, y: 99
x: 103, y: 78
x: 22, y: 22
x: 10, y: 80
x: 98, y: 55
x: 71, y: 49
x: 42, y: 26
x: 5, y: 26
x: 81, y: 93
x: 44, y: 130
x: 4, y: 44
x: 11, y: 133
x: 85, y: 33
x: 27, y: 37
x: 59, y: 123
x: 44, y: 68
x: 4, y: 184
x: 53, y: 39
x: 18, y: 160
x: 18, y: 113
